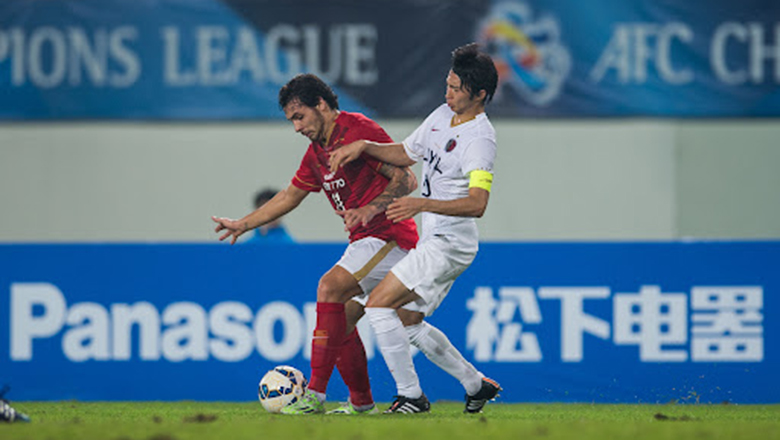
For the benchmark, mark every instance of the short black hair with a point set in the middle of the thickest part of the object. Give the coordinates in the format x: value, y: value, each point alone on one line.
x: 475, y: 70
x: 308, y: 89
x: 264, y: 195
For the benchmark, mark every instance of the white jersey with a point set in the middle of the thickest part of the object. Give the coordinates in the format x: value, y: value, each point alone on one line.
x: 449, y: 154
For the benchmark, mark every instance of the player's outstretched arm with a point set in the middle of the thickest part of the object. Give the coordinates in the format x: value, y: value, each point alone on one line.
x: 394, y: 154
x: 282, y: 203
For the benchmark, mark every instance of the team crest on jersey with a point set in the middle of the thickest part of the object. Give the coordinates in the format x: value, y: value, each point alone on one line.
x: 451, y: 144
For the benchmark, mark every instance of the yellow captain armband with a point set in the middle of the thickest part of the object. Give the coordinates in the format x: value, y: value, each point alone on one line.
x: 481, y: 179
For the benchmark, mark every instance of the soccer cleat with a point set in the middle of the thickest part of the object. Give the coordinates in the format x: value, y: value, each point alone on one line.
x: 405, y: 405
x: 348, y: 409
x: 7, y: 413
x: 488, y: 391
x: 306, y: 404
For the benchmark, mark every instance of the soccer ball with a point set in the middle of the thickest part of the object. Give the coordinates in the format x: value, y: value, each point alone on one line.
x: 280, y: 387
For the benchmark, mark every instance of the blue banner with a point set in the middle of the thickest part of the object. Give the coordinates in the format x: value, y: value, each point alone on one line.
x: 226, y: 59
x: 571, y: 322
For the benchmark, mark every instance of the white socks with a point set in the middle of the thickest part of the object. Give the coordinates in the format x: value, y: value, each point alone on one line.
x: 394, y: 344
x: 437, y: 347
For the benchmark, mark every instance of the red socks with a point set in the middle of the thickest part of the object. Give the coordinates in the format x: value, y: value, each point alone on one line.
x: 326, y: 344
x: 353, y: 367
x: 331, y: 347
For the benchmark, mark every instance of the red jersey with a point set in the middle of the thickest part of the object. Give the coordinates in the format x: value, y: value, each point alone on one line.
x: 355, y: 184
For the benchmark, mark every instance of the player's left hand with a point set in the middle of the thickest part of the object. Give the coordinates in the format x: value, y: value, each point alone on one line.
x: 404, y: 208
x: 359, y: 216
x: 345, y: 154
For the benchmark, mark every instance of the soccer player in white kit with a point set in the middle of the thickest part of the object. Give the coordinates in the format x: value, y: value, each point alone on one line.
x: 457, y: 144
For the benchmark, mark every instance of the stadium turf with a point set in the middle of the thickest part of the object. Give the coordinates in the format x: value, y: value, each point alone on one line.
x: 223, y: 420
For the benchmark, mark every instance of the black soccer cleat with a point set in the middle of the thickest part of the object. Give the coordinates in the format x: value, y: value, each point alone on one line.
x: 405, y: 405
x: 7, y: 413
x: 487, y: 392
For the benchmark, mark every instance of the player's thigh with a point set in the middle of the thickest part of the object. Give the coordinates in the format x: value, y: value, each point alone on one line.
x: 369, y: 260
x: 357, y: 272
x: 430, y: 270
x: 391, y: 293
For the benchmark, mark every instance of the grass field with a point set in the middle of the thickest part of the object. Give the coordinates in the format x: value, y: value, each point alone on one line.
x: 222, y: 420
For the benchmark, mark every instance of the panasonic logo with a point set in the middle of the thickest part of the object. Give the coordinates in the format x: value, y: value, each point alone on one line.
x: 229, y: 331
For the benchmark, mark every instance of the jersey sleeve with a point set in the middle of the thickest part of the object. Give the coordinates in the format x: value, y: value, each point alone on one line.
x: 305, y: 178
x: 480, y: 155
x: 415, y: 143
x: 371, y: 131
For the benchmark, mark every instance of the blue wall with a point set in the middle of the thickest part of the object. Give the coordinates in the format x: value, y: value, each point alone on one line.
x: 584, y: 322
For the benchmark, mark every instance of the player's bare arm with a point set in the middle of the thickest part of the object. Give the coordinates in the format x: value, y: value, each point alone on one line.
x: 282, y: 203
x: 402, y: 181
x: 472, y: 206
x: 394, y: 154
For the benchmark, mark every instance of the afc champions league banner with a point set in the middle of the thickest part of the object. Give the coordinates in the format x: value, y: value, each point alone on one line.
x: 226, y: 59
x: 655, y: 322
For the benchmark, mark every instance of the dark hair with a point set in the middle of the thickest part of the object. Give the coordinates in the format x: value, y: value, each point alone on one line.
x: 264, y: 195
x: 475, y: 70
x: 308, y: 89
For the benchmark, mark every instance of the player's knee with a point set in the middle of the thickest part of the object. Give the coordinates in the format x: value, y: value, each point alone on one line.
x: 330, y: 291
x: 378, y: 302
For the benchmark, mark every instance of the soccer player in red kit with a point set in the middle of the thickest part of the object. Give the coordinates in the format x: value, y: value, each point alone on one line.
x: 359, y: 192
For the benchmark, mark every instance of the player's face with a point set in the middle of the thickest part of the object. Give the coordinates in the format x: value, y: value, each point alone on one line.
x: 458, y: 98
x: 307, y: 121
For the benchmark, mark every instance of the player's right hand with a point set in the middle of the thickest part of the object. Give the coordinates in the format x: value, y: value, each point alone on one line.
x: 404, y: 208
x: 345, y: 154
x: 230, y: 226
x: 357, y: 217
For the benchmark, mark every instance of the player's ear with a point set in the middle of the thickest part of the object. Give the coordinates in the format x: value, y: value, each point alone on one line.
x: 322, y: 105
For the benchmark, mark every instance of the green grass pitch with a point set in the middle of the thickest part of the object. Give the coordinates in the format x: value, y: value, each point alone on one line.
x: 247, y: 420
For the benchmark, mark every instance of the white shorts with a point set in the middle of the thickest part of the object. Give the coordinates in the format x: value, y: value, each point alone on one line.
x: 431, y: 268
x: 369, y: 260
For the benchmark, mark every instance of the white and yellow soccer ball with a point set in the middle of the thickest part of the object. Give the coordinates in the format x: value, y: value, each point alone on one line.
x: 280, y: 387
